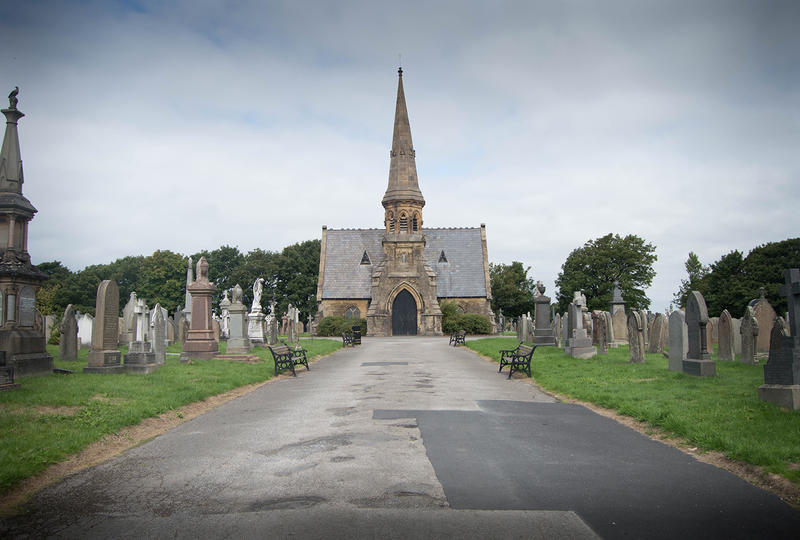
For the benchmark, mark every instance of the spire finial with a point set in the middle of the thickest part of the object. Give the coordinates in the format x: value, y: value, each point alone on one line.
x: 400, y: 64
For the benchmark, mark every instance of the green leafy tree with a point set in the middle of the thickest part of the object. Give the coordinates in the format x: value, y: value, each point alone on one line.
x: 162, y: 280
x: 222, y: 264
x: 296, y: 274
x: 695, y: 281
x: 726, y: 286
x: 764, y: 267
x: 257, y: 264
x: 512, y: 289
x: 46, y: 301
x: 598, y: 263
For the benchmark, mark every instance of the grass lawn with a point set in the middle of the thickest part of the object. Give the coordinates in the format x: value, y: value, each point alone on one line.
x: 722, y: 413
x: 49, y: 418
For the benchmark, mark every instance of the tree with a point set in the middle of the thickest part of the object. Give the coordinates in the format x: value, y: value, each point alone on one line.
x: 512, y: 289
x: 46, y: 297
x: 257, y: 264
x: 726, y: 286
x: 297, y: 273
x: 697, y: 273
x: 598, y: 263
x: 162, y: 280
x: 764, y: 266
x: 222, y: 263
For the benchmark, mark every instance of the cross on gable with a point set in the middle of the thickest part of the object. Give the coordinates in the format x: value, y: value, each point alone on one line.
x: 791, y: 290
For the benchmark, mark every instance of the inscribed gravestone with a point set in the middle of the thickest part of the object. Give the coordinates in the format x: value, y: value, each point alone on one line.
x: 657, y: 334
x: 765, y: 316
x: 127, y: 320
x: 238, y: 341
x: 725, y: 337
x: 749, y: 334
x: 636, y: 337
x: 609, y: 325
x: 713, y: 324
x: 27, y: 305
x: 697, y: 361
x: 200, y: 342
x: 782, y: 370
x: 85, y: 330
x: 159, y: 333
x: 602, y: 334
x: 68, y: 342
x: 678, y: 341
x: 737, y: 337
x: 620, y: 325
x: 104, y: 356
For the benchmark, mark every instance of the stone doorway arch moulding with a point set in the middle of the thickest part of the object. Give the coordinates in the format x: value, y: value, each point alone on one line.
x: 390, y: 298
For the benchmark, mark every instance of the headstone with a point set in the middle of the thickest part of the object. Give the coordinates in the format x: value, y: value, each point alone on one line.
x: 164, y: 322
x: 645, y: 327
x: 225, y: 316
x: 181, y: 327
x: 200, y: 342
x: 187, y: 303
x: 678, y: 340
x: 602, y: 334
x: 565, y: 331
x: 68, y: 342
x: 698, y: 361
x: 782, y: 370
x: 658, y: 332
x: 595, y: 327
x: 159, y: 333
x: 557, y: 329
x: 579, y: 345
x: 609, y: 326
x: 725, y: 337
x: 620, y: 326
x: 543, y: 329
x: 217, y: 329
x: 617, y: 304
x: 104, y: 356
x: 273, y: 331
x: 238, y: 342
x: 765, y: 316
x: 255, y: 319
x: 737, y: 337
x: 140, y: 357
x: 49, y: 324
x: 749, y: 335
x: 128, y: 332
x: 713, y: 324
x: 85, y: 330
x: 636, y: 337
x: 171, y: 331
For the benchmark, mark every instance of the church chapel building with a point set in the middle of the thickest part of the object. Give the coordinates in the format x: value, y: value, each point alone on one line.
x: 396, y: 276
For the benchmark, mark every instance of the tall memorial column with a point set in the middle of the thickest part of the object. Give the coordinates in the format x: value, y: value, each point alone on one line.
x: 200, y: 342
x: 22, y: 343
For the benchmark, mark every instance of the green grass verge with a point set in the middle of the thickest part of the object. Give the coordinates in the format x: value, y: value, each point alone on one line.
x: 722, y: 413
x: 32, y: 436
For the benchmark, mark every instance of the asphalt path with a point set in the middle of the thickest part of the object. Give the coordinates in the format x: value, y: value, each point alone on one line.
x: 403, y: 438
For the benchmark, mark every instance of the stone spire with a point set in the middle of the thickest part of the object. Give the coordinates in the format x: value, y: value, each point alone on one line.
x: 10, y: 158
x: 403, y: 198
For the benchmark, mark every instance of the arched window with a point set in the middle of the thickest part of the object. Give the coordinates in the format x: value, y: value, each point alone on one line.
x: 352, y: 312
x: 403, y: 223
x: 415, y: 223
x: 391, y: 222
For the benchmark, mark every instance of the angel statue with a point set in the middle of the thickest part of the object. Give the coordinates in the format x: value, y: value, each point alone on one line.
x: 258, y: 287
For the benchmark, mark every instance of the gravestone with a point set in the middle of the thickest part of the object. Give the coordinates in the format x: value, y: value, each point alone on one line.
x: 698, y: 361
x: 609, y: 326
x: 200, y: 342
x: 713, y: 324
x: 158, y: 331
x: 782, y: 370
x: 49, y: 325
x: 225, y: 316
x: 557, y: 329
x: 187, y: 303
x: 181, y: 328
x: 543, y: 328
x: 658, y: 332
x: 579, y: 345
x: 104, y: 356
x: 140, y: 357
x: 273, y: 331
x: 749, y: 335
x: 170, y: 331
x: 620, y: 326
x: 617, y: 303
x: 164, y: 323
x: 636, y: 337
x: 238, y: 342
x: 128, y: 332
x: 602, y: 334
x: 255, y: 319
x: 737, y: 337
x: 725, y: 337
x: 68, y: 342
x: 678, y: 340
x: 565, y: 331
x: 85, y: 330
x: 645, y: 327
x: 595, y: 327
x: 765, y: 316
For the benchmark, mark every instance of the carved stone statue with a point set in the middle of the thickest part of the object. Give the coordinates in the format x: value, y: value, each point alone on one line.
x: 258, y: 287
x: 236, y: 294
x: 12, y: 98
x: 539, y: 289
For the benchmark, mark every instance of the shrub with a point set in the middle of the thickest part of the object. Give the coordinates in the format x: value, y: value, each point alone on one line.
x: 475, y: 323
x: 335, y: 326
x: 450, y: 317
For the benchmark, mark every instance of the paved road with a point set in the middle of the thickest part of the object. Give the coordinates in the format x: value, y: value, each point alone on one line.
x: 404, y: 437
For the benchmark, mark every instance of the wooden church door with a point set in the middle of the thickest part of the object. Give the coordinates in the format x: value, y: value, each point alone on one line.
x: 404, y: 315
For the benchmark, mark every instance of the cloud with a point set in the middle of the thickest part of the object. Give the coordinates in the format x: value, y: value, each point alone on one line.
x: 189, y: 125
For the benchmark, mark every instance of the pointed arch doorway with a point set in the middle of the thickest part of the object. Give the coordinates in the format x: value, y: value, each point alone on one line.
x: 404, y: 315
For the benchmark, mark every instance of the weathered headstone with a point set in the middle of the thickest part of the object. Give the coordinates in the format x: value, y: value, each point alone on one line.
x: 543, y: 329
x: 238, y: 342
x: 713, y: 325
x: 617, y: 303
x: 698, y: 361
x: 104, y: 356
x: 225, y: 316
x: 68, y: 342
x: 636, y: 337
x: 200, y: 342
x: 187, y: 304
x: 658, y: 331
x: 170, y: 331
x: 85, y: 330
x: 565, y: 331
x: 749, y: 333
x: 620, y: 326
x: 128, y: 332
x: 766, y: 316
x: 579, y: 345
x: 273, y: 331
x: 737, y: 337
x: 725, y: 337
x: 49, y: 324
x: 140, y: 357
x: 645, y: 328
x: 602, y: 334
x: 159, y: 335
x: 609, y: 326
x: 557, y: 329
x: 678, y: 340
x: 782, y: 370
x: 255, y: 319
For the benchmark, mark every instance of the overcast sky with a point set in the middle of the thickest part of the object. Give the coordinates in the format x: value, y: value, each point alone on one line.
x: 190, y: 125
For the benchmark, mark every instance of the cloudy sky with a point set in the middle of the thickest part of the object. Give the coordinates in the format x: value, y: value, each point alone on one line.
x: 187, y: 125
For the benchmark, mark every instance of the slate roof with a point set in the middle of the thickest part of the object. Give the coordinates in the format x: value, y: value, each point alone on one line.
x: 461, y: 276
